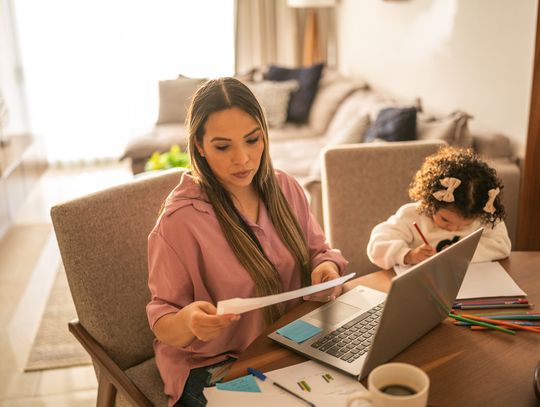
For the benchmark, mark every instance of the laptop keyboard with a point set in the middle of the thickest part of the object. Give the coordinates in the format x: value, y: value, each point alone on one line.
x: 353, y: 339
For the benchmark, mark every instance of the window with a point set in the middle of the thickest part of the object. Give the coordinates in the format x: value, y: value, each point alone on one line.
x: 92, y: 67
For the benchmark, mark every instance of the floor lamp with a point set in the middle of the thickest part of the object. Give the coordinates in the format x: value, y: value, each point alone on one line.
x: 311, y: 48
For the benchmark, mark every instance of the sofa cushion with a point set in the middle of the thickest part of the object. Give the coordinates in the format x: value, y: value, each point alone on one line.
x: 274, y: 98
x: 492, y: 144
x: 327, y: 100
x: 291, y: 131
x: 174, y: 98
x: 301, y: 99
x: 393, y: 124
x: 453, y: 129
x: 360, y: 102
x: 296, y: 156
x: 161, y: 138
x: 351, y: 133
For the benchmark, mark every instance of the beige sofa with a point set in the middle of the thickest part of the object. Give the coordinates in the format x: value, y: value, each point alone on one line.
x: 342, y: 110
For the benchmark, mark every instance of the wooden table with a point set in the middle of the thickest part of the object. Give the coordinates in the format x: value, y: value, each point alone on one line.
x: 466, y: 368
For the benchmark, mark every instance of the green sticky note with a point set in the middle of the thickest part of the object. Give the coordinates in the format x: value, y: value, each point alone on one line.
x: 299, y: 331
x: 245, y: 383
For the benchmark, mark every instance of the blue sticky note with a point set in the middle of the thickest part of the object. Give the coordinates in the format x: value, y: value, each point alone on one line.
x: 244, y: 383
x: 299, y: 331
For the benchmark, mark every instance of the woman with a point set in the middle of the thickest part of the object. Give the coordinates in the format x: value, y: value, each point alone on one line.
x: 233, y: 227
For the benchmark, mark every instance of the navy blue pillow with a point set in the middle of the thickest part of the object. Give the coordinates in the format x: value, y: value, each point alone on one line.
x: 393, y: 124
x: 301, y: 99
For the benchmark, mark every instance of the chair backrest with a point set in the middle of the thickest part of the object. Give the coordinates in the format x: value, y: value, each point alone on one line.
x: 362, y: 185
x: 103, y: 243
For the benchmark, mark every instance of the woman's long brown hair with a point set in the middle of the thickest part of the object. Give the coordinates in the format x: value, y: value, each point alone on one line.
x: 225, y: 93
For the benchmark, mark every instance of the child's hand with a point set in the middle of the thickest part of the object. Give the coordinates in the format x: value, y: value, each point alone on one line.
x: 419, y: 254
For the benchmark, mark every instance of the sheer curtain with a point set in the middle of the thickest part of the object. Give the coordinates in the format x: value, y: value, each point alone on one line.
x: 92, y: 66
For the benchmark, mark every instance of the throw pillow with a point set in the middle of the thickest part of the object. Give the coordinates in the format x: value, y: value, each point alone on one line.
x: 393, y: 124
x: 174, y: 98
x: 327, y: 100
x: 301, y: 100
x: 352, y: 132
x: 274, y: 99
x: 453, y: 129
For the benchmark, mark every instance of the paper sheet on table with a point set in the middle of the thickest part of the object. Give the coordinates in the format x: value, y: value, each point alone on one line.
x: 488, y: 279
x: 331, y: 392
x: 217, y: 398
x: 240, y: 305
x: 321, y: 379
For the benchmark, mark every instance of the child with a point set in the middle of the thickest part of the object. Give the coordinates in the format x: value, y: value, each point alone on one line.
x: 455, y: 194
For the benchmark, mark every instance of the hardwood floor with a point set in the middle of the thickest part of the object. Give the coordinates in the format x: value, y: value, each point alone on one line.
x: 25, y: 281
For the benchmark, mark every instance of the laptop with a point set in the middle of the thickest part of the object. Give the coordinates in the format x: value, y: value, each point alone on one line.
x: 364, y: 328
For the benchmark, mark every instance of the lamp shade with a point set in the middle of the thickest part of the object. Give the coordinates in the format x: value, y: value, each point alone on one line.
x: 311, y: 3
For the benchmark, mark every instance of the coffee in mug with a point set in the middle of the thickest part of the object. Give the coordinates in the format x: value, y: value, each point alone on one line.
x: 394, y: 385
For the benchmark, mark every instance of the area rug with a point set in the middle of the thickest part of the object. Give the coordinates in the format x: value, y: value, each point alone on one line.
x: 54, y: 346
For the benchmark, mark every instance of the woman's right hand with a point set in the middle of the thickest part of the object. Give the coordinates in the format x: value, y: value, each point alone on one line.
x: 419, y: 254
x: 203, y: 321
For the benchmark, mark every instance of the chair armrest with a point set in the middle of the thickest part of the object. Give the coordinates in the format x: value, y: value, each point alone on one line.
x: 107, y: 366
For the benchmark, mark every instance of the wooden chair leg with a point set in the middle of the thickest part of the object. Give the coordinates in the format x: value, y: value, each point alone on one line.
x: 106, y: 395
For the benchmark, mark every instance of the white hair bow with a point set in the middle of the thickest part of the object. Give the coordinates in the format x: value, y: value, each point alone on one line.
x: 492, y: 194
x: 447, y: 195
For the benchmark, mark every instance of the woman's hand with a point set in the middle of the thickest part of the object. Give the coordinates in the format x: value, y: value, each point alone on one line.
x: 203, y: 321
x: 197, y: 320
x: 419, y: 254
x: 325, y: 271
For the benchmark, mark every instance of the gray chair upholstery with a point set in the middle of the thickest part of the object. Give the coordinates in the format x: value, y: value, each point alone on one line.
x: 362, y: 185
x: 103, y: 243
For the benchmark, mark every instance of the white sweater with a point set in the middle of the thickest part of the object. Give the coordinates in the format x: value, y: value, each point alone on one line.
x: 390, y: 241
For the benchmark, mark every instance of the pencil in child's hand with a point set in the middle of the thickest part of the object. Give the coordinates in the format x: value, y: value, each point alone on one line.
x: 420, y: 233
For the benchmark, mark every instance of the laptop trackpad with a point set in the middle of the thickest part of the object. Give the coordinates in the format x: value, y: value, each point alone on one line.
x: 334, y: 313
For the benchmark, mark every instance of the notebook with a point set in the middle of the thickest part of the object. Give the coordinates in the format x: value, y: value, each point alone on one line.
x: 364, y: 328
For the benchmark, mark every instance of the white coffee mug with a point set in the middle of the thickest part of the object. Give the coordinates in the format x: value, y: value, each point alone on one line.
x: 394, y: 385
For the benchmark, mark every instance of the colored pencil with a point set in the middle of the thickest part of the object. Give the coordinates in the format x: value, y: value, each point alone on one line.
x: 507, y: 313
x: 487, y: 306
x: 420, y: 233
x: 486, y: 324
x: 505, y: 323
x: 522, y: 317
x: 493, y: 301
x: 524, y: 323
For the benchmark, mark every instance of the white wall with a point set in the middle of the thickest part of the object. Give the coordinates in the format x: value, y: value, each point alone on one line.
x: 473, y: 55
x: 10, y: 73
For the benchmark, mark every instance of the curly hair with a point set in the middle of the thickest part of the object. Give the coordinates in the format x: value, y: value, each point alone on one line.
x: 470, y: 197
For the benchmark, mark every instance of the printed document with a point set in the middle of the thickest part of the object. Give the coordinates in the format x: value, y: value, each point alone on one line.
x: 241, y: 305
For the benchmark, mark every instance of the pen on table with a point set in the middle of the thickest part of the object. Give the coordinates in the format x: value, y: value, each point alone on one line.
x: 488, y: 325
x: 420, y: 233
x: 263, y: 377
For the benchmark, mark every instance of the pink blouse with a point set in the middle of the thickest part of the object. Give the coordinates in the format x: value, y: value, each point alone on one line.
x: 190, y: 260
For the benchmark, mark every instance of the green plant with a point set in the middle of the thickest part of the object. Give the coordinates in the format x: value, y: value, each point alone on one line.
x: 175, y: 157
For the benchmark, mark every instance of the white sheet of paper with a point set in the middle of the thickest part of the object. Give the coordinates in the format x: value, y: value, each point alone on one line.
x: 332, y: 393
x: 488, y: 279
x: 219, y: 398
x: 241, y: 305
x: 312, y: 373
